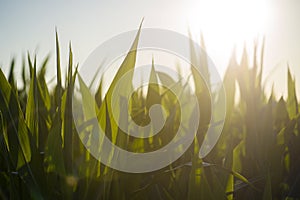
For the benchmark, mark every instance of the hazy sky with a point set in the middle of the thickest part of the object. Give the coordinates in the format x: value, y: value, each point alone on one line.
x: 31, y: 27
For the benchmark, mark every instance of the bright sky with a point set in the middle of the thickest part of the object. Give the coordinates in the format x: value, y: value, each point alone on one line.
x: 224, y: 23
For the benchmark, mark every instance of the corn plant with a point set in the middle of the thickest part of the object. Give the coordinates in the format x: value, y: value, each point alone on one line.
x: 42, y: 156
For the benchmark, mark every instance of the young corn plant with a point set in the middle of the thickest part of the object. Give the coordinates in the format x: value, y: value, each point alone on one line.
x: 42, y: 156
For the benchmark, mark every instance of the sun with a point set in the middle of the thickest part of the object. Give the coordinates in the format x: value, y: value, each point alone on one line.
x: 229, y: 22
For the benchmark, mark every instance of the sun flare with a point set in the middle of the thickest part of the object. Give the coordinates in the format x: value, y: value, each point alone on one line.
x: 230, y: 22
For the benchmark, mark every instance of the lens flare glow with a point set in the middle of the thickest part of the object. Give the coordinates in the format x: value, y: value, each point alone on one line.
x: 237, y: 20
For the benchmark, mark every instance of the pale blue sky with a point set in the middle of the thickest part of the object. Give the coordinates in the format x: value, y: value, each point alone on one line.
x: 31, y: 26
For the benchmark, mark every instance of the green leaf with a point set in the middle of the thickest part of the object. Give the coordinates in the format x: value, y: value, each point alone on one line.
x: 68, y: 119
x: 165, y: 79
x: 229, y: 85
x: 32, y: 117
x: 53, y: 153
x: 292, y: 102
x: 127, y: 65
x: 20, y: 142
x: 98, y: 95
x: 58, y: 71
x: 88, y: 101
x: 11, y: 77
x: 203, y: 96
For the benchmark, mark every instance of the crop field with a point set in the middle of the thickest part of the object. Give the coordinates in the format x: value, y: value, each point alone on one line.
x: 42, y: 155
